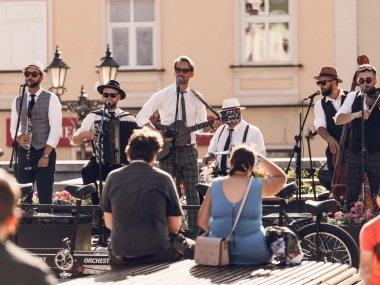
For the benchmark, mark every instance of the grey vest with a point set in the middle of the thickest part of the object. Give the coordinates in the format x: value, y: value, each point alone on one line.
x: 40, y: 119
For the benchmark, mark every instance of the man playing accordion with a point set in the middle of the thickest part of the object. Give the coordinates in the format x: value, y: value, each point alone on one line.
x: 114, y: 127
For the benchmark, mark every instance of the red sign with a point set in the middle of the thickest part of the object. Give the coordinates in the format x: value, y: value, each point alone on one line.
x: 68, y: 129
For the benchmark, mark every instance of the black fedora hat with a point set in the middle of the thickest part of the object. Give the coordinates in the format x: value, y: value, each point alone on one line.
x: 114, y: 85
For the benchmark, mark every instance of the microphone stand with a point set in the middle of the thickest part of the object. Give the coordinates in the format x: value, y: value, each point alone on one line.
x: 102, y: 240
x: 297, y: 151
x: 363, y: 152
x: 308, y: 137
x: 174, y: 147
x: 15, y: 144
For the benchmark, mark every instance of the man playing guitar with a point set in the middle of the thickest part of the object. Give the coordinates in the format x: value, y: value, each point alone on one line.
x: 191, y: 111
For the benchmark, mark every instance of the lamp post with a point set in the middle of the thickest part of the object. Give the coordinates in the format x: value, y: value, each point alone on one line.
x: 82, y: 107
x: 108, y: 67
x: 57, y: 73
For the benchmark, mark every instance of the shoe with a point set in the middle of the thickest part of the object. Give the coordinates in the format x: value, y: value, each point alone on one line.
x: 95, y: 219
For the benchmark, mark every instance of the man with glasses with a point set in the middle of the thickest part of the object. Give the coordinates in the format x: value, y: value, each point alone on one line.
x: 190, y: 111
x: 38, y: 134
x: 325, y: 110
x: 233, y: 134
x: 351, y: 111
x: 111, y: 94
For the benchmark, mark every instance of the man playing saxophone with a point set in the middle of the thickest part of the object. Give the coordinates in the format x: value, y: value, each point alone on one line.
x: 38, y: 134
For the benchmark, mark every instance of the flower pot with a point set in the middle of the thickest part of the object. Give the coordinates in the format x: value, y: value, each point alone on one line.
x: 354, y: 231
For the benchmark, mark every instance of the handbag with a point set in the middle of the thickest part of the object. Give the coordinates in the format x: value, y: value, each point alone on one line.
x: 212, y: 250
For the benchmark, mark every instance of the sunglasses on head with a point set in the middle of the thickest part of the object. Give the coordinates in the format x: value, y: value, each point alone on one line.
x: 113, y: 95
x: 367, y: 80
x: 322, y: 82
x: 184, y: 70
x: 33, y: 73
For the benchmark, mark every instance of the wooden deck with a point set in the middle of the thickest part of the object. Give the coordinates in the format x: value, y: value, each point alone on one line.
x: 187, y: 272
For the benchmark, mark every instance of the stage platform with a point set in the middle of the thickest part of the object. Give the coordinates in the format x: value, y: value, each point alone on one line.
x: 187, y: 272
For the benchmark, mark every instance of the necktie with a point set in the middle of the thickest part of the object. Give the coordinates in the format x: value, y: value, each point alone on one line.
x: 31, y: 104
x: 227, y: 146
x: 112, y: 115
x: 183, y: 107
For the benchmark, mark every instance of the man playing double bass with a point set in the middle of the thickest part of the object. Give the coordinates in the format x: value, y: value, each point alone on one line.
x: 351, y: 111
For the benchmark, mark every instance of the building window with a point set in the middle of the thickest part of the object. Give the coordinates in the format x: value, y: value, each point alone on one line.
x: 266, y: 31
x: 132, y: 33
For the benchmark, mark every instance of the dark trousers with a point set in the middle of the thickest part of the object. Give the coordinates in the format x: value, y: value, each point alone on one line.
x: 90, y: 173
x: 42, y: 176
x: 354, y: 176
x: 182, y: 248
x: 188, y: 170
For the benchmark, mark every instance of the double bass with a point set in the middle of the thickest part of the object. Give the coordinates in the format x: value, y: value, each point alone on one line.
x: 338, y: 183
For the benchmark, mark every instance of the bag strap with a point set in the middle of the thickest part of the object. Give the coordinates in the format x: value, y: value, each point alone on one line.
x: 241, y: 208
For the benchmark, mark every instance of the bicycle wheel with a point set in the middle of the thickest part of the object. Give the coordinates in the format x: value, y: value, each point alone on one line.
x: 336, y: 245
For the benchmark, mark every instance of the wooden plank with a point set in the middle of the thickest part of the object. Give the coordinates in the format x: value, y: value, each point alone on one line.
x: 321, y: 275
x: 340, y: 277
x: 351, y: 280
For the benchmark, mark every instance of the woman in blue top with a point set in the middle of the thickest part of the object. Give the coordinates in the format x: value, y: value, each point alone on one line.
x: 223, y: 200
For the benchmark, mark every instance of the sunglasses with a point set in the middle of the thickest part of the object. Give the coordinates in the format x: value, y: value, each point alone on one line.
x: 113, y: 95
x: 322, y: 82
x: 184, y: 70
x: 367, y: 80
x: 33, y: 73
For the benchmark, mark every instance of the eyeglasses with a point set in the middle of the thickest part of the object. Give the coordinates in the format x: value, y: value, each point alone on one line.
x: 368, y: 80
x: 322, y: 82
x: 184, y: 70
x: 113, y: 95
x: 33, y: 73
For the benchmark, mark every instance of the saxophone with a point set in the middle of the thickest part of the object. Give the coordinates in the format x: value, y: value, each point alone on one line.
x: 28, y: 132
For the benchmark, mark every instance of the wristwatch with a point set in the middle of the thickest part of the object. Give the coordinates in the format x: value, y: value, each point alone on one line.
x: 46, y: 155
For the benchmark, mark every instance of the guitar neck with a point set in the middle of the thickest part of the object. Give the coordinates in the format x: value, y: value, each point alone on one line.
x: 194, y: 128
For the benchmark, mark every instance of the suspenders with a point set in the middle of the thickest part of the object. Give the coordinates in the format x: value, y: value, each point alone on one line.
x: 244, y: 136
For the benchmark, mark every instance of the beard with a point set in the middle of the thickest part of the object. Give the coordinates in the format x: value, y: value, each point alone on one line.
x: 34, y: 84
x: 327, y: 92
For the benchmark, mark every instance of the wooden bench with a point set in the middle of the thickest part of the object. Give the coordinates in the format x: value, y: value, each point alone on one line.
x: 187, y: 272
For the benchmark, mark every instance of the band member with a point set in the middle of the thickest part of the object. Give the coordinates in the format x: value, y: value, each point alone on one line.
x: 142, y: 208
x: 17, y: 266
x: 325, y: 110
x: 351, y: 111
x: 38, y: 135
x: 231, y: 135
x: 111, y: 94
x: 191, y: 110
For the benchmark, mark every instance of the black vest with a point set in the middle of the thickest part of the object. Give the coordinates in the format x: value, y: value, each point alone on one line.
x: 333, y: 129
x: 371, y: 129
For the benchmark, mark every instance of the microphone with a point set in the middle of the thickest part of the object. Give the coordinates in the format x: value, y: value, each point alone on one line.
x: 362, y: 87
x: 26, y: 84
x: 312, y: 95
x: 108, y: 104
x: 179, y: 80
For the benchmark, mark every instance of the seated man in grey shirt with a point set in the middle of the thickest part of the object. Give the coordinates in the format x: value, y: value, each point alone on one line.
x: 141, y: 208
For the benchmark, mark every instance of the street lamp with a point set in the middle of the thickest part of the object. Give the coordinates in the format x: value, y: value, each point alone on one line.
x: 108, y: 68
x: 57, y: 73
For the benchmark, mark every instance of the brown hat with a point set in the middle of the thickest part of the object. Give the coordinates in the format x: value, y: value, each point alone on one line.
x: 328, y: 71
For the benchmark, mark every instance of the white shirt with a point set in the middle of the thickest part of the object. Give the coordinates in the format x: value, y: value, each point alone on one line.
x: 347, y: 105
x: 54, y: 113
x: 319, y: 113
x: 254, y: 136
x: 165, y: 101
x: 88, y: 123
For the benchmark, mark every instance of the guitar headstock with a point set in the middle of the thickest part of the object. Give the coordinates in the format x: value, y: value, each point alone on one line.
x: 229, y: 116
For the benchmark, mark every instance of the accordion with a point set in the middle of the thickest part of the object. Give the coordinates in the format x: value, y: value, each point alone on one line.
x: 115, y: 138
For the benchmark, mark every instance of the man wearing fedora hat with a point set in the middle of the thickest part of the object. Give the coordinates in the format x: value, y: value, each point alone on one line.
x: 111, y: 94
x: 39, y: 133
x: 231, y: 135
x: 351, y: 111
x: 190, y: 111
x: 325, y: 110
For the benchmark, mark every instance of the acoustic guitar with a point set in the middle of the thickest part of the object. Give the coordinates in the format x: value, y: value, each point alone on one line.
x: 184, y: 131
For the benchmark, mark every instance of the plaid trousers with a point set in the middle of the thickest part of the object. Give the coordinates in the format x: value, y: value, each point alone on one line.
x: 188, y: 170
x: 354, y: 175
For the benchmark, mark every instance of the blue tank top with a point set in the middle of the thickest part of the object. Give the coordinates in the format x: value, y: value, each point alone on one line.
x: 247, y: 244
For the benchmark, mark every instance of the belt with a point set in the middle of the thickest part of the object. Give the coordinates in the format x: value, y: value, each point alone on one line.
x: 193, y: 145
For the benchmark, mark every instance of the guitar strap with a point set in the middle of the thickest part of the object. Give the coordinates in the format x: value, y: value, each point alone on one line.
x: 205, y: 103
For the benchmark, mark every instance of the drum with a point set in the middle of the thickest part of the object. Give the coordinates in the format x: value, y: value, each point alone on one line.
x: 209, y: 172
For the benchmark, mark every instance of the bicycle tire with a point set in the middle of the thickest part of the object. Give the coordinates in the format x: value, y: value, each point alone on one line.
x: 335, y: 243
